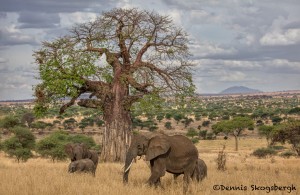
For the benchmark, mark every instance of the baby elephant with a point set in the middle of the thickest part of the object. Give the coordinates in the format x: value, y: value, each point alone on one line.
x: 200, y: 171
x: 82, y: 165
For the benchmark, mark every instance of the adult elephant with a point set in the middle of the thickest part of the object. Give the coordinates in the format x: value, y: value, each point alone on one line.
x: 174, y: 154
x: 78, y: 151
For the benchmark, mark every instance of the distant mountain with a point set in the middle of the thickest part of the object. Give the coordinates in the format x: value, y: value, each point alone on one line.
x: 239, y: 90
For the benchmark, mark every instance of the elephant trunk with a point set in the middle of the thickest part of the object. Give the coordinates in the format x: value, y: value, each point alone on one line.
x: 128, y: 162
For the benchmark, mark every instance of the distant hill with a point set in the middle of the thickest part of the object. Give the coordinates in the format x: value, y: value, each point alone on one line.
x: 239, y: 90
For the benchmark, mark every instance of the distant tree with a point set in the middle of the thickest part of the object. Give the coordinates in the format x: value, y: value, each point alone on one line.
x: 20, y: 145
x: 187, y: 121
x: 203, y: 134
x: 295, y: 110
x: 205, y: 123
x: 267, y: 131
x: 177, y: 117
x: 168, y: 116
x: 288, y: 132
x: 70, y: 123
x: 160, y: 117
x: 276, y: 120
x: 192, y: 132
x: 234, y: 126
x: 40, y: 125
x: 168, y: 125
x: 9, y: 122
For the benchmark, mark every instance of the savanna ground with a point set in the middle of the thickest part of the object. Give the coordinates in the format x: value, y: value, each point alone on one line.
x: 43, y: 177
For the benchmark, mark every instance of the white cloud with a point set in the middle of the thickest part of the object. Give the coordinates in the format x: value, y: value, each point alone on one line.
x: 287, y: 37
x: 232, y: 76
x: 69, y: 19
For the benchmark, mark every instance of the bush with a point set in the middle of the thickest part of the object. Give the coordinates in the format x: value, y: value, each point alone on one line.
x: 210, y: 136
x: 205, y: 123
x: 9, y: 122
x: 264, y: 152
x: 192, y: 132
x: 287, y: 154
x: 52, y: 146
x: 168, y: 125
x: 203, y: 134
x: 20, y: 145
x: 195, y: 140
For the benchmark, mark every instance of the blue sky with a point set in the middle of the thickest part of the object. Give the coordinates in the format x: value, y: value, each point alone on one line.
x: 234, y: 42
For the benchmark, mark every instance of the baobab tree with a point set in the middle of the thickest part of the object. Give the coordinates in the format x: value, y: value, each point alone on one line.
x: 117, y: 59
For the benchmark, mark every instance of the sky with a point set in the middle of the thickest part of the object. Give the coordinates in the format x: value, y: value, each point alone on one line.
x: 234, y: 42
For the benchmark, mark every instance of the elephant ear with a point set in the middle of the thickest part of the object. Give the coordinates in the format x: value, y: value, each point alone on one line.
x: 85, y: 150
x: 157, y: 146
x: 69, y: 149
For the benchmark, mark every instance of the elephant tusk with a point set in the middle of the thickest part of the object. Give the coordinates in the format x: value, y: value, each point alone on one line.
x: 128, y: 167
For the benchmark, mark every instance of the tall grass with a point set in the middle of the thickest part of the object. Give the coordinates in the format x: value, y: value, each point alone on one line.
x: 42, y: 177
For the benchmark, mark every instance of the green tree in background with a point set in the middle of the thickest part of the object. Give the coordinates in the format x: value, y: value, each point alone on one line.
x: 234, y: 126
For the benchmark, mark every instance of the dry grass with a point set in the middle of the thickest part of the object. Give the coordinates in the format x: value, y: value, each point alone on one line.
x: 42, y: 177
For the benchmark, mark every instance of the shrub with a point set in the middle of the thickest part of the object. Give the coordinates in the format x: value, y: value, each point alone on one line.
x: 210, y: 136
x: 203, y: 134
x: 191, y: 132
x: 52, y: 146
x: 168, y: 125
x: 195, y: 140
x: 168, y: 116
x: 205, y: 123
x: 20, y: 145
x: 9, y: 122
x: 287, y: 154
x: 264, y: 152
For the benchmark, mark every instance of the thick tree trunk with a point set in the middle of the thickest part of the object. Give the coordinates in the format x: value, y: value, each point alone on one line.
x: 236, y: 143
x: 115, y: 140
x: 117, y: 133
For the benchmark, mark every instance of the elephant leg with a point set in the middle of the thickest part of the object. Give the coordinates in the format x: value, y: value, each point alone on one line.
x: 186, y: 181
x: 158, y: 169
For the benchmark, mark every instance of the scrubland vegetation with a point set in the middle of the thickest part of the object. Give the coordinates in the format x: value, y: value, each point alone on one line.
x: 42, y: 176
x: 261, y: 158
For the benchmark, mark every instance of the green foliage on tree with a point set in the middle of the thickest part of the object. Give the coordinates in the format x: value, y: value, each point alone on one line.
x: 178, y: 117
x: 187, y: 121
x: 168, y: 115
x: 205, y: 123
x: 40, y: 125
x: 160, y: 117
x: 9, y: 122
x: 70, y: 123
x: 267, y: 131
x: 20, y: 145
x: 276, y: 120
x: 288, y: 132
x: 168, y: 125
x: 203, y: 134
x: 192, y: 132
x: 234, y: 126
x: 294, y: 111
